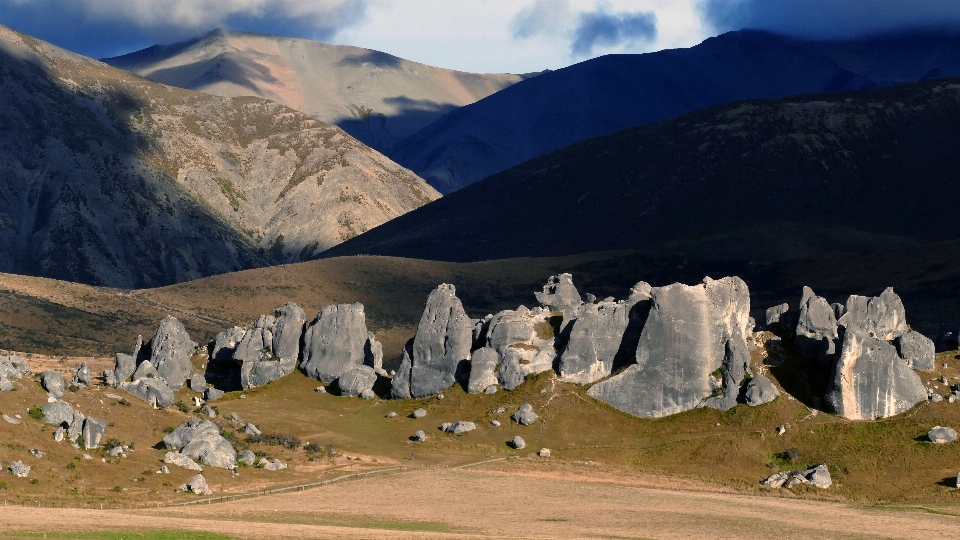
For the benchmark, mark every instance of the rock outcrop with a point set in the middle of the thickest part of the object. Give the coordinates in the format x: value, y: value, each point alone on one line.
x: 870, y: 381
x: 156, y: 392
x: 93, y: 431
x: 181, y: 460
x: 882, y: 317
x: 170, y: 351
x: 483, y: 370
x: 942, y: 435
x: 524, y: 341
x: 197, y: 484
x: 444, y: 339
x: 201, y: 440
x: 58, y: 413
x: 525, y: 415
x: 357, y: 380
x: 53, y: 383
x: 335, y: 342
x: 559, y: 293
x: 917, y: 350
x: 816, y: 330
x: 760, y: 390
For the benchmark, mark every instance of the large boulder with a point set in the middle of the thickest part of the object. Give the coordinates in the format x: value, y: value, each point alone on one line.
x: 601, y: 331
x: 170, y: 351
x: 93, y: 431
x: 373, y: 354
x: 882, y: 317
x: 123, y: 369
x: 559, y: 293
x: 225, y: 344
x: 355, y: 381
x: 53, y: 383
x: 483, y: 370
x: 83, y: 374
x: 525, y: 341
x: 444, y: 338
x: 154, y: 391
x: 145, y: 370
x: 760, y: 390
x: 400, y: 385
x: 685, y: 340
x: 917, y: 350
x: 870, y: 381
x: 13, y: 367
x: 201, y: 440
x: 335, y: 341
x: 57, y: 413
x: 288, y: 331
x: 181, y: 460
x: 816, y: 331
x: 197, y: 484
x: 75, y: 429
x: 942, y: 435
x: 525, y: 415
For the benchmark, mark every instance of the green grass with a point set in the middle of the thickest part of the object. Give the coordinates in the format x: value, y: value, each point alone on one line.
x: 123, y: 535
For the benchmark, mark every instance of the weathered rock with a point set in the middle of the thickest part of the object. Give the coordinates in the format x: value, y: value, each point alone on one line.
x: 109, y: 379
x: 600, y: 332
x: 400, y: 385
x: 760, y: 390
x: 775, y: 316
x: 775, y: 480
x: 274, y: 465
x: 247, y: 457
x: 52, y: 382
x: 942, y: 435
x: 198, y: 383
x: 154, y: 391
x: 212, y: 394
x: 419, y: 413
x: 57, y: 413
x: 170, y: 351
x: 444, y: 338
x: 917, y: 350
x: 816, y: 331
x: 870, y: 381
x: 373, y: 354
x: 518, y: 443
x: 251, y: 429
x: 288, y: 331
x: 511, y: 374
x: 93, y: 432
x: 9, y: 419
x: 525, y: 415
x: 483, y: 370
x: 948, y: 339
x: 209, y: 411
x: 460, y: 427
x: 13, y: 367
x: 185, y: 432
x: 83, y: 374
x: 684, y: 341
x: 197, y: 484
x: 201, y: 440
x: 124, y: 368
x: 936, y: 398
x: 115, y: 451
x: 19, y: 469
x: 819, y: 476
x: 544, y: 452
x: 181, y: 460
x: 368, y: 394
x: 225, y: 344
x: 525, y: 341
x: 356, y: 380
x: 882, y: 317
x: 492, y: 389
x: 75, y: 429
x: 559, y: 293
x: 146, y: 370
x: 335, y: 341
x: 5, y: 385
x: 420, y: 435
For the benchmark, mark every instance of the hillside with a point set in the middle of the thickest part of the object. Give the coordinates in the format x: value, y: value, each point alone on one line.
x: 111, y: 179
x: 615, y: 92
x: 758, y: 180
x: 375, y: 97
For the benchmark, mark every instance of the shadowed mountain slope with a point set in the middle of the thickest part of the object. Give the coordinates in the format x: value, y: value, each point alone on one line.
x: 110, y: 179
x: 376, y: 97
x: 757, y: 180
x: 615, y: 92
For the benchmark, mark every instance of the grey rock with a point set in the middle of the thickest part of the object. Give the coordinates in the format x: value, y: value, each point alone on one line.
x: 260, y: 372
x: 19, y: 469
x: 492, y: 389
x: 445, y: 426
x: 444, y: 338
x: 13, y: 367
x: 181, y: 460
x: 495, y: 423
x: 400, y: 385
x: 115, y: 451
x: 775, y: 480
x: 511, y: 374
x: 460, y: 427
x: 36, y: 453
x: 187, y: 431
x: 368, y: 394
x: 198, y: 383
x: 819, y: 476
x: 335, y: 341
x: 559, y: 293
x: 247, y: 457
x: 760, y: 390
x: 524, y: 339
x: 917, y: 350
x: 525, y: 415
x: 57, y: 413
x: 109, y: 379
x: 518, y: 443
x: 209, y: 411
x: 146, y: 370
x: 212, y: 394
x: 274, y: 465
x: 198, y: 484
x: 419, y: 413
x: 373, y: 353
x: 942, y: 435
x: 288, y: 331
x: 355, y: 381
x: 251, y: 429
x: 5, y: 385
x: 225, y: 344
x: 948, y: 339
x: 882, y: 317
x: 420, y: 435
x: 59, y: 434
x: 320, y: 390
x: 201, y: 440
x: 870, y: 381
x: 154, y: 391
x: 124, y: 367
x: 775, y: 315
x: 234, y: 417
x: 936, y: 398
x: 83, y: 374
x: 164, y: 470
x: 75, y: 429
x: 483, y: 370
x: 170, y: 351
x: 52, y: 382
x: 544, y: 452
x: 391, y: 414
x: 10, y: 420
x: 93, y: 432
x: 816, y: 332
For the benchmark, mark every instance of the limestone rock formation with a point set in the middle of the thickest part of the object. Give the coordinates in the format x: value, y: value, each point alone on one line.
x: 12, y: 367
x: 170, y: 351
x: 246, y: 457
x: 57, y: 413
x: 917, y: 350
x: 685, y: 340
x: 356, y: 380
x: 198, y: 383
x: 181, y: 460
x: 420, y: 435
x: 197, y: 484
x: 83, y: 374
x: 335, y: 341
x: 760, y: 390
x: 124, y: 368
x: 559, y: 293
x: 870, y: 381
x: 53, y: 383
x: 154, y: 391
x: 483, y: 370
x: 882, y: 317
x: 524, y: 340
x: 201, y: 440
x: 145, y: 370
x: 525, y: 415
x: 459, y: 427
x: 93, y: 431
x: 19, y: 469
x: 444, y: 338
x: 816, y: 331
x: 518, y: 442
x: 775, y: 317
x: 942, y: 435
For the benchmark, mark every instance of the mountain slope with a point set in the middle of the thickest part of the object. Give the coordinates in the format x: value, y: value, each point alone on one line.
x: 376, y: 97
x: 110, y: 179
x: 615, y: 92
x: 756, y: 180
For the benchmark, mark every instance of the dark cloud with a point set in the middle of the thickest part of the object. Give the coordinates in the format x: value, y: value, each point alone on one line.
x: 829, y: 18
x: 605, y: 29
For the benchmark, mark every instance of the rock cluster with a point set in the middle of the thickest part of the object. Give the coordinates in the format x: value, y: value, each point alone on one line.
x: 73, y: 425
x: 525, y: 415
x: 157, y: 368
x: 243, y: 358
x: 818, y: 476
x: 201, y: 440
x: 11, y: 368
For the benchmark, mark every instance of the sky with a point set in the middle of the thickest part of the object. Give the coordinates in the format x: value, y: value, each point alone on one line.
x: 517, y: 36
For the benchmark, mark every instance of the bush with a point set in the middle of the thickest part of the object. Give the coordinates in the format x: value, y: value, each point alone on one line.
x: 287, y: 441
x: 123, y: 401
x: 112, y: 442
x: 72, y: 465
x: 312, y: 448
x: 118, y: 489
x: 182, y: 407
x: 34, y: 481
x: 36, y: 413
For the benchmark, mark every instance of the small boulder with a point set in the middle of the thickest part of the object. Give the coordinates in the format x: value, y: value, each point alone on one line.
x: 760, y: 390
x: 942, y: 435
x: 525, y: 415
x: 197, y: 484
x: 246, y: 457
x: 460, y: 427
x: 10, y: 420
x: 775, y: 480
x: 274, y: 465
x: 544, y: 452
x: 917, y: 350
x: 198, y: 383
x: 320, y: 390
x: 368, y: 394
x: 495, y: 423
x: 212, y: 394
x: 209, y: 411
x: 53, y: 383
x: 819, y: 476
x: 518, y: 443
x: 492, y: 389
x: 419, y: 413
x: 83, y: 374
x: 420, y: 435
x: 19, y: 469
x: 180, y: 460
x: 251, y: 429
x: 355, y: 381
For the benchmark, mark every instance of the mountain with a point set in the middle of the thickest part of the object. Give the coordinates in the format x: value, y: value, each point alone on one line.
x: 376, y: 97
x: 756, y: 180
x: 107, y: 178
x: 615, y: 92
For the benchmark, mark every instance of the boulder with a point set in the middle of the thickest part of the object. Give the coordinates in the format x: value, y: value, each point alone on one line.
x: 170, y: 351
x: 483, y: 370
x: 145, y: 370
x: 109, y: 379
x: 400, y: 385
x: 460, y: 427
x: 53, y: 383
x: 93, y: 432
x: 419, y: 413
x: 917, y: 350
x: 524, y: 338
x: 335, y: 341
x: 154, y: 391
x: 368, y: 394
x: 57, y: 413
x: 559, y: 293
x: 775, y: 317
x: 948, y: 339
x: 816, y: 332
x: 10, y: 420
x: 201, y: 440
x: 181, y: 460
x: 198, y: 383
x: 512, y: 372
x: 13, y: 367
x: 942, y: 435
x: 518, y: 443
x: 209, y: 411
x: 870, y: 381
x: 197, y: 484
x: 544, y: 452
x: 212, y: 394
x: 420, y: 435
x: 685, y: 340
x: 760, y: 390
x: 819, y: 476
x: 246, y: 457
x: 882, y: 317
x: 83, y: 374
x: 600, y: 332
x: 775, y: 480
x: 373, y: 354
x: 525, y: 415
x: 5, y: 385
x: 187, y: 431
x: 355, y: 381
x: 75, y: 428
x: 444, y: 338
x: 288, y: 331
x: 251, y: 429
x: 225, y: 344
x: 123, y: 369
x: 274, y: 465
x: 19, y: 469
